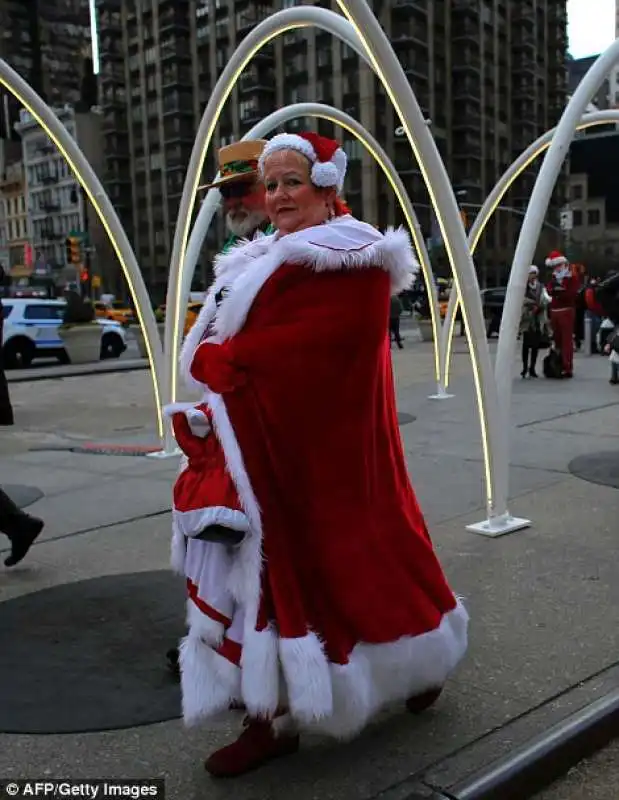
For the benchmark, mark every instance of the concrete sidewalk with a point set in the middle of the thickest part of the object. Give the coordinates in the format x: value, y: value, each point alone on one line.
x: 544, y: 636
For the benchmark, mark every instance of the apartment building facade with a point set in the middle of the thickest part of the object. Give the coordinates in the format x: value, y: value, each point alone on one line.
x: 490, y: 76
x: 14, y: 221
x: 56, y: 206
x: 48, y: 43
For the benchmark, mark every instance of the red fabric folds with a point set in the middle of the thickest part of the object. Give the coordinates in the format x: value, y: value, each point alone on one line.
x: 308, y: 388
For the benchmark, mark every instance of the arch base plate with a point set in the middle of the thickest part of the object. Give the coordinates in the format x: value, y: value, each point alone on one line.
x: 499, y: 526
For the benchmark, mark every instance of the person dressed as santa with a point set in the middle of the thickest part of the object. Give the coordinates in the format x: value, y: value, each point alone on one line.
x: 326, y: 599
x: 563, y: 289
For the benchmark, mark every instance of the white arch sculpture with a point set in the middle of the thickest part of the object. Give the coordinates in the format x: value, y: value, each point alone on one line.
x: 524, y: 160
x: 87, y: 178
x: 529, y: 234
x: 379, y: 52
x: 263, y: 128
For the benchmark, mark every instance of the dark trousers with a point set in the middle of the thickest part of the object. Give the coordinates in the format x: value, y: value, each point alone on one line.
x: 614, y: 372
x: 530, y: 350
x: 394, y: 331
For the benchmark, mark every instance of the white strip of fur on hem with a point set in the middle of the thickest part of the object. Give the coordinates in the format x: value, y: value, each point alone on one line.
x: 332, y: 699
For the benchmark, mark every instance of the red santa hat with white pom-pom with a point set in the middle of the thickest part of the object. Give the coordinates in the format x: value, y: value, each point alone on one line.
x: 556, y: 259
x: 327, y: 158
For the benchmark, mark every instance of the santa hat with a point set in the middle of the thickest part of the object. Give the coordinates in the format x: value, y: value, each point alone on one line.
x: 556, y: 259
x: 327, y: 158
x: 533, y: 270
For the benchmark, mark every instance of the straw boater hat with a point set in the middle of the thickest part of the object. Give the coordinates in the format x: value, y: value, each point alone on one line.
x: 237, y: 162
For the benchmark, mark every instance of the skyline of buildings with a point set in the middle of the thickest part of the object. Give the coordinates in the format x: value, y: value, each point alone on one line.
x: 490, y: 76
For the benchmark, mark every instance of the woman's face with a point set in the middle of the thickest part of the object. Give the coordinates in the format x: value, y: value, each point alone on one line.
x: 292, y: 201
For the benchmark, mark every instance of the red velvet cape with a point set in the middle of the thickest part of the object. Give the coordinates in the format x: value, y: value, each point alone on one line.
x: 303, y: 371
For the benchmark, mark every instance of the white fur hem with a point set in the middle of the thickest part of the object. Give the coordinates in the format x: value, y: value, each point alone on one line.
x: 192, y: 523
x: 556, y: 262
x: 209, y: 682
x: 333, y: 699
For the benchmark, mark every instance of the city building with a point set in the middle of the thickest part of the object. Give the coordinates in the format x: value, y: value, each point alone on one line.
x: 48, y: 43
x: 604, y: 97
x: 16, y: 261
x: 594, y: 200
x: 490, y: 75
x: 57, y: 208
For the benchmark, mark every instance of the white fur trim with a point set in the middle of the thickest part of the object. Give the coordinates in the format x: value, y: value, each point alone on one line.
x: 178, y: 552
x: 196, y: 334
x: 209, y: 682
x: 201, y: 626
x: 556, y: 262
x: 343, y: 243
x: 308, y: 683
x: 196, y: 418
x: 325, y: 174
x: 260, y: 672
x: 193, y: 522
x: 286, y: 141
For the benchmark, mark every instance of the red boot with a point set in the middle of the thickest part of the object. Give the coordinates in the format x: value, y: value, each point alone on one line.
x: 254, y: 747
x: 420, y: 702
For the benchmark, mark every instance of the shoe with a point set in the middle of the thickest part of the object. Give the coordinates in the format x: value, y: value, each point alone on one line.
x: 173, y: 664
x: 256, y: 745
x: 419, y: 703
x: 22, y: 530
x: 614, y: 382
x: 533, y: 373
x: 523, y: 374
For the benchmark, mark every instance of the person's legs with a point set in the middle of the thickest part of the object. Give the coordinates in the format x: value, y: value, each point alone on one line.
x: 614, y: 373
x: 525, y: 354
x: 568, y: 342
x: 533, y: 362
x: 394, y: 327
x: 21, y: 528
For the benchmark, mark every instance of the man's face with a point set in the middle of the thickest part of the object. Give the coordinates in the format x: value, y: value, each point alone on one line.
x: 244, y: 206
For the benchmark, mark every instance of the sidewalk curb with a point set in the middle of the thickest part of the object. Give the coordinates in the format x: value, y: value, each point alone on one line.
x: 544, y: 758
x: 95, y: 369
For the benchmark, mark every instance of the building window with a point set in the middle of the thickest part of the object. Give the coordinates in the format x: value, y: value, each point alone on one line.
x: 577, y: 191
x: 577, y: 218
x: 593, y: 217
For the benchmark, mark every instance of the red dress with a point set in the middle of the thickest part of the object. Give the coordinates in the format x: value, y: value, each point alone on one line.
x: 344, y: 604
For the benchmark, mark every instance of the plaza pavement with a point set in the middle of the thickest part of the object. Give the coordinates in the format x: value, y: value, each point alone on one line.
x: 544, y: 633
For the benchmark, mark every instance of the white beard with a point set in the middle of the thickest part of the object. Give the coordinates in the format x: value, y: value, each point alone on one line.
x: 245, y: 226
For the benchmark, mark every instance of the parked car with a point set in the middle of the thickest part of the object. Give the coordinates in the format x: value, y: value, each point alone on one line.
x: 31, y: 332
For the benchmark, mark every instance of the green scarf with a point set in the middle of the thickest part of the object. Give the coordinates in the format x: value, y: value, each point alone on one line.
x: 233, y: 239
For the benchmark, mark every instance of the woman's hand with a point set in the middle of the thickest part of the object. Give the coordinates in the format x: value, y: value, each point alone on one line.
x: 213, y: 365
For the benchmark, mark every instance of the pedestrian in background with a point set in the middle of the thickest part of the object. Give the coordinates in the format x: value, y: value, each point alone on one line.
x: 563, y: 290
x: 533, y: 322
x: 395, y: 312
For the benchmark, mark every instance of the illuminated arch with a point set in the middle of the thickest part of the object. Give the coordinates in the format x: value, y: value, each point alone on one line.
x: 492, y: 202
x: 364, y: 28
x: 263, y: 128
x: 87, y: 178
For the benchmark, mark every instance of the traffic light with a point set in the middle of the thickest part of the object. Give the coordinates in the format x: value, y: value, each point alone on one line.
x: 73, y: 246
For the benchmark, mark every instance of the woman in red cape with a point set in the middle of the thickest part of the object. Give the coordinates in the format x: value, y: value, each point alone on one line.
x: 334, y: 603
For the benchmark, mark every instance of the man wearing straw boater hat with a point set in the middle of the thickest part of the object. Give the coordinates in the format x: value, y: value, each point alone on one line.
x: 242, y: 194
x: 241, y: 190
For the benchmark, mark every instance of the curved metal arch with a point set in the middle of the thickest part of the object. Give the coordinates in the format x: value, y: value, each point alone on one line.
x: 262, y: 34
x: 263, y: 128
x: 443, y: 200
x: 529, y: 234
x: 524, y: 160
x: 87, y: 178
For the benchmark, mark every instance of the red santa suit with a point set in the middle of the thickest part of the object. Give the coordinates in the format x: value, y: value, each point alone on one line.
x: 336, y: 602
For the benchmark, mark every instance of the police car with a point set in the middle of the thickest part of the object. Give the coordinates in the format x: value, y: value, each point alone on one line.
x: 31, y: 331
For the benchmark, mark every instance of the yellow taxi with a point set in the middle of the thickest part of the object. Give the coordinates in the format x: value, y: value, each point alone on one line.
x: 116, y: 311
x: 193, y: 310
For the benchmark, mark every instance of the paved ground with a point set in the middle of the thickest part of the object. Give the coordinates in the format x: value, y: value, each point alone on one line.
x: 594, y: 779
x: 541, y: 635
